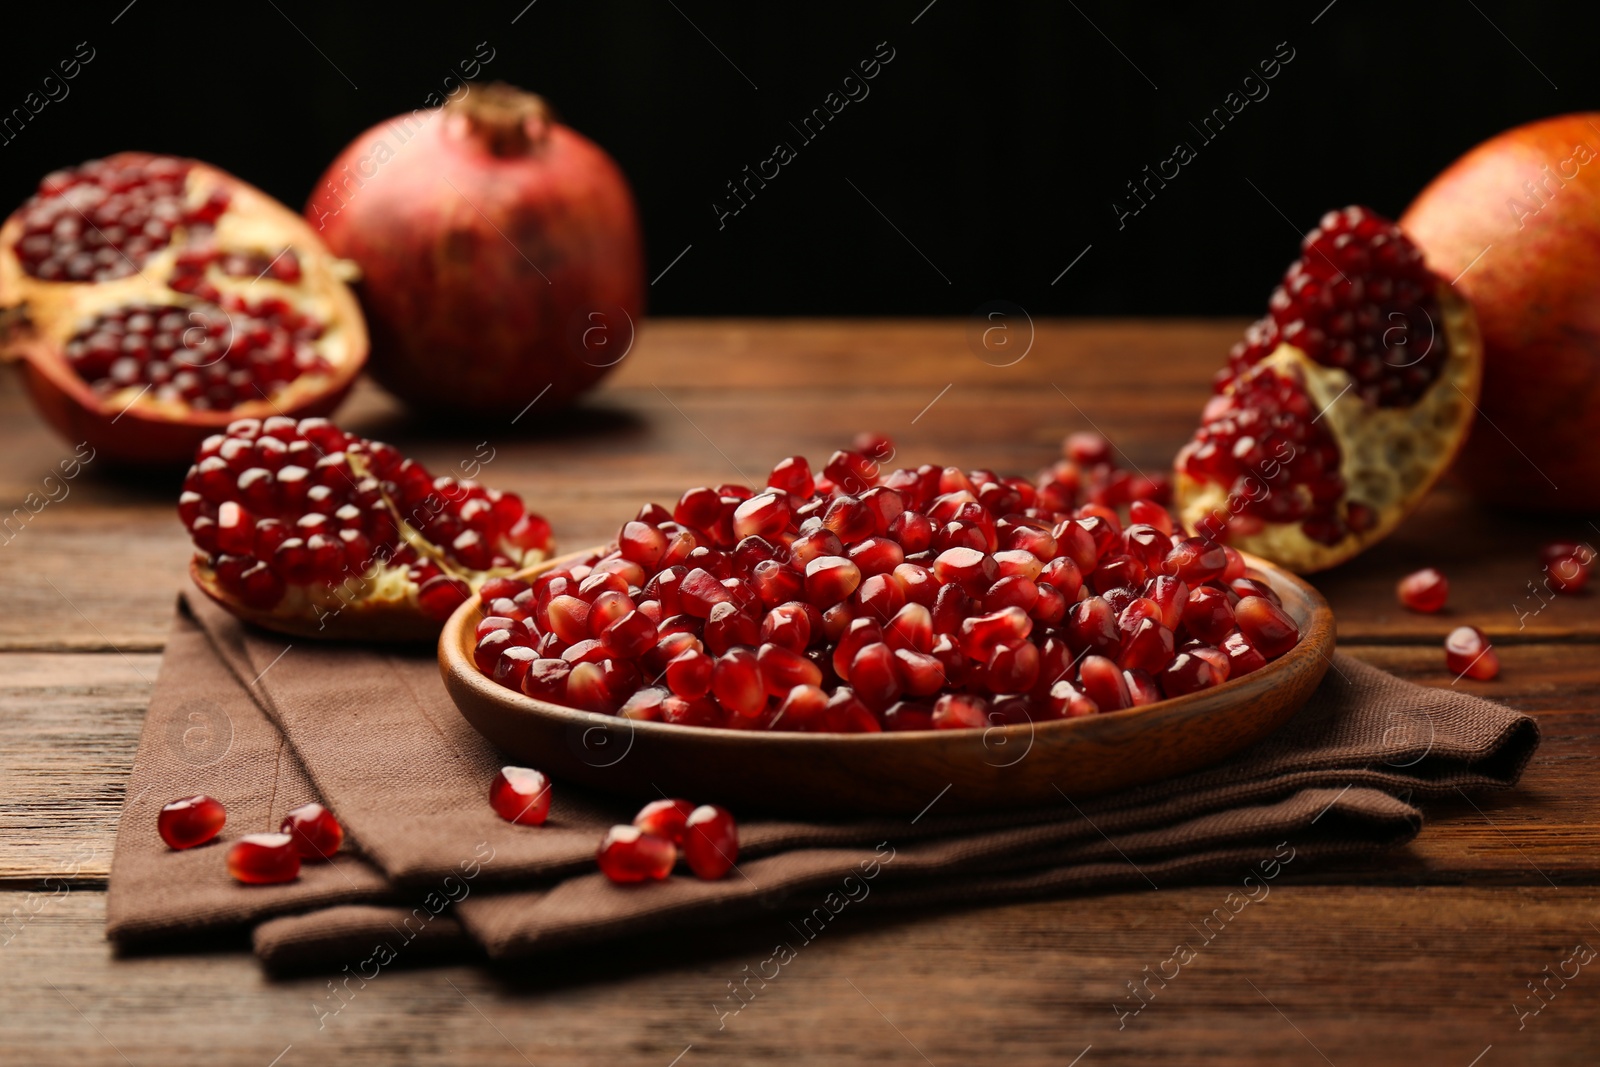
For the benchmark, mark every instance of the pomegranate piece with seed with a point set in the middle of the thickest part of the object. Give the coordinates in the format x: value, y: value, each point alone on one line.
x: 520, y: 795
x: 1424, y: 591
x: 1340, y: 408
x: 866, y: 600
x: 629, y: 855
x: 303, y: 528
x: 1468, y: 653
x: 166, y: 298
x: 710, y: 842
x: 191, y: 821
x: 317, y: 834
x: 264, y: 859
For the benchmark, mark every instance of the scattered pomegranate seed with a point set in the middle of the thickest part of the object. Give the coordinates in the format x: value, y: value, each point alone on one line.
x: 1467, y: 652
x: 1568, y: 565
x: 191, y: 821
x: 629, y: 854
x: 264, y: 859
x: 317, y: 834
x: 1269, y: 629
x: 665, y: 818
x: 520, y: 795
x: 710, y: 842
x: 1424, y: 591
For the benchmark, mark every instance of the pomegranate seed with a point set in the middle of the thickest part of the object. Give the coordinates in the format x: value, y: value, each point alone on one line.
x: 908, y: 715
x: 628, y: 855
x: 665, y: 819
x: 766, y: 515
x: 1242, y: 656
x: 1424, y: 591
x: 1092, y: 626
x: 830, y: 579
x: 1208, y: 615
x: 191, y: 821
x: 1189, y: 674
x: 1142, y: 688
x: 264, y: 859
x: 1567, y: 565
x: 1468, y: 653
x: 520, y: 795
x: 802, y: 706
x: 782, y: 669
x: 1195, y: 560
x: 738, y: 683
x: 1103, y: 683
x: 689, y: 674
x: 710, y: 842
x: 317, y: 834
x: 959, y: 711
x: 1270, y: 631
x: 1067, y: 701
x: 793, y: 476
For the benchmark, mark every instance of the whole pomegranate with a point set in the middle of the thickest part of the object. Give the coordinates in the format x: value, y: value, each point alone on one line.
x: 500, y: 249
x: 1518, y: 218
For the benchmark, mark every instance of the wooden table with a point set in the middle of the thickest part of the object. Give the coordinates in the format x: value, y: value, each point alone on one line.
x: 1423, y: 956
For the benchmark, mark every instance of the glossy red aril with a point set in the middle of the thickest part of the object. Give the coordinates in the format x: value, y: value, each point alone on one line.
x: 191, y: 821
x: 306, y: 529
x: 1424, y: 591
x: 1568, y: 565
x: 1468, y: 653
x: 1268, y: 627
x: 264, y: 859
x: 710, y: 842
x: 665, y: 818
x: 165, y: 298
x: 317, y: 834
x: 1339, y: 409
x: 628, y: 855
x: 520, y: 795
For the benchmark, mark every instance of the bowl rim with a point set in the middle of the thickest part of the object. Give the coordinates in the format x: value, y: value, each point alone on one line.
x: 1316, y: 639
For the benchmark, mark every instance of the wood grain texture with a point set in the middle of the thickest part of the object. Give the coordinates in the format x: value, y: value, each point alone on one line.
x: 1307, y: 975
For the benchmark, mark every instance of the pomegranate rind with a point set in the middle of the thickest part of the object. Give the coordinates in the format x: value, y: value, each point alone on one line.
x: 41, y: 316
x: 1389, y: 457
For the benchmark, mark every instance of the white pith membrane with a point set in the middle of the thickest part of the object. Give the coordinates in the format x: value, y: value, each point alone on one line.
x: 379, y: 604
x: 55, y: 311
x: 1389, y: 456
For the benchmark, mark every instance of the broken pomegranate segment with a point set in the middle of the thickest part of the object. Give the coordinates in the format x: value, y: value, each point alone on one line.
x: 1339, y: 409
x: 317, y: 834
x: 1424, y: 591
x: 629, y: 854
x: 152, y: 300
x: 306, y: 529
x: 520, y: 795
x: 1468, y: 653
x: 985, y: 601
x: 191, y: 821
x: 264, y: 859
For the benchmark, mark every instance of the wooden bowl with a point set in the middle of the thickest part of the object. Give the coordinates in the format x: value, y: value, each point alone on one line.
x: 862, y: 774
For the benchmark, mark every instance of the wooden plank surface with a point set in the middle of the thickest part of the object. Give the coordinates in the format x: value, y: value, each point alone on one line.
x: 1420, y: 956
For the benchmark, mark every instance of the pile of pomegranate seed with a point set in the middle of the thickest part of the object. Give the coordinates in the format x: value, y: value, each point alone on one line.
x: 317, y: 834
x: 1568, y: 565
x: 191, y: 821
x: 520, y: 795
x: 1424, y: 591
x: 705, y: 835
x: 857, y: 601
x: 210, y: 357
x: 1359, y: 298
x: 279, y: 505
x: 103, y: 219
x: 1467, y: 652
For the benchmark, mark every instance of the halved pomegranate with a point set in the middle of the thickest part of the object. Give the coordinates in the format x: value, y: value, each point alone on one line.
x: 308, y: 530
x: 152, y: 300
x: 1339, y: 409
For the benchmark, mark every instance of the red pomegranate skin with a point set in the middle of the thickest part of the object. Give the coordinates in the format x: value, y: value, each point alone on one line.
x: 1531, y: 197
x: 486, y: 276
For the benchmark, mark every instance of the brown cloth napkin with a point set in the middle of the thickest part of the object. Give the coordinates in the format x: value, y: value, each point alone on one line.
x: 265, y: 723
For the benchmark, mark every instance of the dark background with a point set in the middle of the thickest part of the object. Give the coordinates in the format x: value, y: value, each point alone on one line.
x: 996, y: 140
